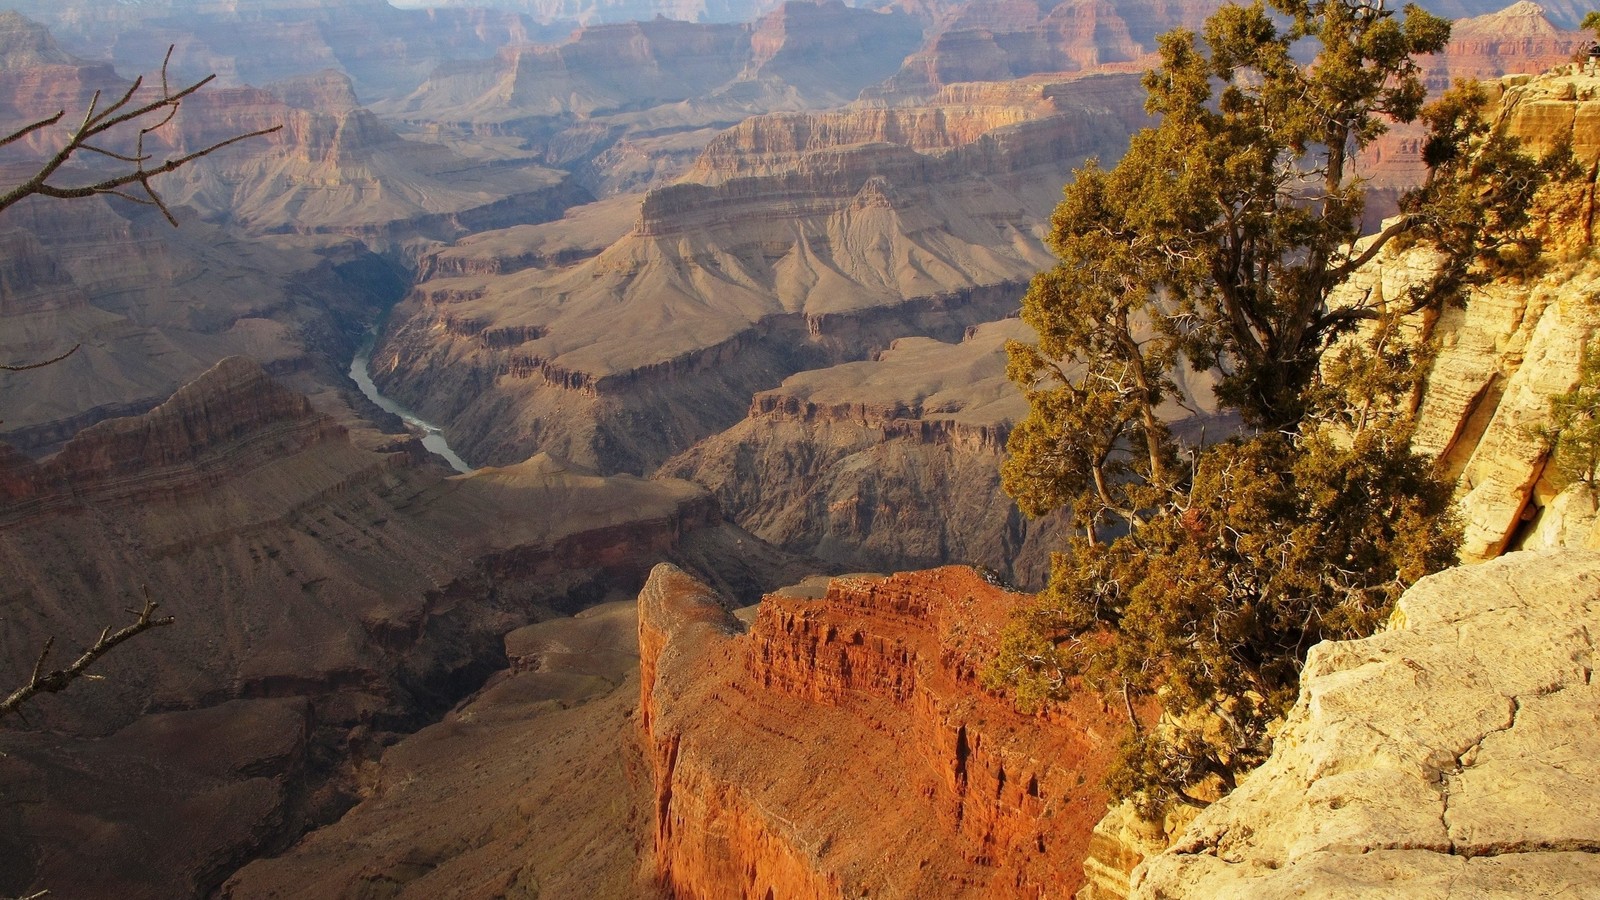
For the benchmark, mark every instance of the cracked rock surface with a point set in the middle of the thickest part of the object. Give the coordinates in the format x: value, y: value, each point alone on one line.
x: 1456, y: 754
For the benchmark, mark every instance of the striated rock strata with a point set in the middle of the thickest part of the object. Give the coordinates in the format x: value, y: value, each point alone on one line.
x: 721, y: 289
x: 894, y: 463
x: 841, y: 747
x: 886, y: 464
x: 1516, y: 344
x: 327, y: 598
x: 1453, y: 755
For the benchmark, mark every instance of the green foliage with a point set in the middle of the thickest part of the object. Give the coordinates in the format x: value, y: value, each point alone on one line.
x: 1574, y: 430
x: 1202, y: 575
x: 1282, y: 542
x: 1591, y: 22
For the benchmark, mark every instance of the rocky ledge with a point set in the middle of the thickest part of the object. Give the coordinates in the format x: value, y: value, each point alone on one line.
x: 1456, y: 754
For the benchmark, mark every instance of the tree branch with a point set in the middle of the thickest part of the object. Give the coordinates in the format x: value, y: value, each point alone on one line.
x: 56, y: 680
x: 23, y: 367
x: 98, y: 123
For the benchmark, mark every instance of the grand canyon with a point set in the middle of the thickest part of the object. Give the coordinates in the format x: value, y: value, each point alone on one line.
x: 708, y: 303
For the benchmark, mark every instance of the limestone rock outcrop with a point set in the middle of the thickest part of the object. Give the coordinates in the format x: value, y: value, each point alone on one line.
x: 1516, y: 344
x: 1455, y: 754
x: 763, y: 745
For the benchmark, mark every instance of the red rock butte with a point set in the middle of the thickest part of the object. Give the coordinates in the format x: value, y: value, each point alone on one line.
x: 844, y: 747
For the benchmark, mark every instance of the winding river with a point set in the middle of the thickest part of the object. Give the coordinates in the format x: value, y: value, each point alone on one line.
x: 432, y: 437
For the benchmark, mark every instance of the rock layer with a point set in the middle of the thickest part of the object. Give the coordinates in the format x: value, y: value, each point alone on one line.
x: 721, y: 289
x: 1452, y: 755
x: 1517, y: 342
x: 886, y: 464
x: 762, y: 744
x: 327, y: 598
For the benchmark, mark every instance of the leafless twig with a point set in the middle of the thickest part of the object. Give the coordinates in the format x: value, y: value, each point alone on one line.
x: 53, y: 681
x: 23, y: 367
x: 98, y: 125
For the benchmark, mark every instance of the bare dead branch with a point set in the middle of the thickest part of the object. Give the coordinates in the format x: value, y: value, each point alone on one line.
x: 54, y: 681
x: 99, y: 123
x: 30, y: 128
x: 39, y: 365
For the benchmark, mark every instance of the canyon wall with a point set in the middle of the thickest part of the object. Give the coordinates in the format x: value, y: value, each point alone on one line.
x: 327, y: 599
x: 1516, y: 344
x: 886, y: 464
x: 721, y: 289
x: 761, y: 743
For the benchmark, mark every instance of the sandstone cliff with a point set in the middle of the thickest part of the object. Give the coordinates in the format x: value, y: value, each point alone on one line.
x: 721, y: 289
x: 1516, y: 344
x: 762, y: 744
x: 1452, y: 755
x: 327, y: 598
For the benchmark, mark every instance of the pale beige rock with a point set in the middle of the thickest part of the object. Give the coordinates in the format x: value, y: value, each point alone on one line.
x: 1453, y: 755
x: 1572, y: 519
x: 1515, y: 345
x: 1539, y: 344
x: 1121, y: 840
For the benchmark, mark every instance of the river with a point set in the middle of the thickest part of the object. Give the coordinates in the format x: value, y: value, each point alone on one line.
x: 432, y: 437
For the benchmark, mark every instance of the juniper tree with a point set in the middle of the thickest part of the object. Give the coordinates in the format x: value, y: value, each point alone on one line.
x: 1221, y: 241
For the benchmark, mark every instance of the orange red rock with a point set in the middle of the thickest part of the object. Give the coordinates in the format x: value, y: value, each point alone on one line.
x: 843, y: 746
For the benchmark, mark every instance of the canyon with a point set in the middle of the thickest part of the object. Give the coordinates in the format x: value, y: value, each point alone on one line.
x: 366, y: 591
x: 715, y: 302
x: 822, y: 243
